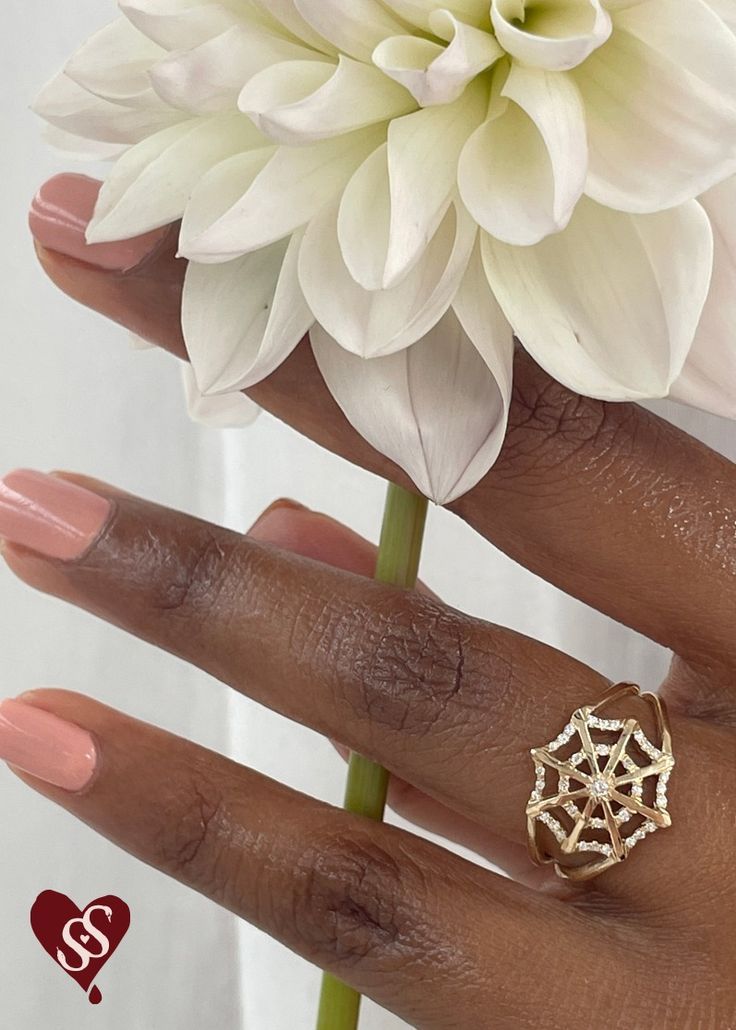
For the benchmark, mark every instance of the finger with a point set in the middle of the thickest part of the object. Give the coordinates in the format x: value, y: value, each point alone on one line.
x: 444, y: 701
x: 294, y: 528
x: 419, y: 930
x: 424, y: 812
x: 606, y: 501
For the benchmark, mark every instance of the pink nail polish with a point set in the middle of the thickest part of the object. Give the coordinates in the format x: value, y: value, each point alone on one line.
x: 50, y: 515
x: 43, y: 745
x: 60, y: 213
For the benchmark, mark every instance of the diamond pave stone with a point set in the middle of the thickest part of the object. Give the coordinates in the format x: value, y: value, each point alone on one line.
x: 599, y: 788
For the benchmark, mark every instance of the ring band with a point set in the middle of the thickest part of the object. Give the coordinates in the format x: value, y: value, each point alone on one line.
x: 611, y: 804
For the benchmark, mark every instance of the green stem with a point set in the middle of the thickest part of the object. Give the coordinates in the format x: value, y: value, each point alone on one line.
x: 404, y: 519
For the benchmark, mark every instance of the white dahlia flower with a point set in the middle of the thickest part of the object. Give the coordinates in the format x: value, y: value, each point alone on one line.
x: 416, y: 182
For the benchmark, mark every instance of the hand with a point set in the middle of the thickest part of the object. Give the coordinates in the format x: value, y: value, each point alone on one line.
x: 608, y: 502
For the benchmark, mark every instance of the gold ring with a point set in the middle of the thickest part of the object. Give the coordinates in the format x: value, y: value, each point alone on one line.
x: 618, y: 793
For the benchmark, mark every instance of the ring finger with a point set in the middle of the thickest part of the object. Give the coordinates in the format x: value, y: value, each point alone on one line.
x: 372, y: 904
x: 447, y: 702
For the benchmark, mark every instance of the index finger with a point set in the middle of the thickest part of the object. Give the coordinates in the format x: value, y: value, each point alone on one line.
x: 606, y: 501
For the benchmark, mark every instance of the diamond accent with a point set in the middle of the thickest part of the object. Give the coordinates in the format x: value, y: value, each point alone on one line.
x: 562, y: 738
x: 599, y: 788
x: 604, y: 724
x: 646, y: 745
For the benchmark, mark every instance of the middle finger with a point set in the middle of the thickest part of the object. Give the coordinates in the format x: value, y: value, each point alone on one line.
x: 447, y: 702
x: 610, y: 503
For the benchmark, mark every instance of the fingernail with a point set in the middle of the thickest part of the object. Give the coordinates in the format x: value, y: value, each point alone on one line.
x: 50, y: 515
x: 43, y: 745
x: 60, y: 213
x: 261, y: 528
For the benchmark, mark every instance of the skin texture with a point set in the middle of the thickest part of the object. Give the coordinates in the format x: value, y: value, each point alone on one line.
x: 606, y: 501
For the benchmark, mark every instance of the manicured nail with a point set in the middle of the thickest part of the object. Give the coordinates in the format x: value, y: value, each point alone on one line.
x: 43, y: 745
x: 50, y: 515
x: 60, y: 213
x: 262, y: 527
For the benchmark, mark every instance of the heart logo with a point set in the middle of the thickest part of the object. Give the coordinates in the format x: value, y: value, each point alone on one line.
x: 80, y: 940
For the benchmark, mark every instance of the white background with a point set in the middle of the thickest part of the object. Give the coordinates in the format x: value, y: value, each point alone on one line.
x: 74, y: 395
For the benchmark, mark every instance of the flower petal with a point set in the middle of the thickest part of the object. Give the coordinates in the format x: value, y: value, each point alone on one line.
x: 229, y: 411
x: 79, y: 149
x: 131, y: 200
x: 660, y: 103
x: 708, y: 380
x: 364, y: 221
x: 423, y: 175
x: 285, y: 12
x: 216, y: 194
x: 354, y: 29
x: 548, y: 34
x: 297, y: 102
x: 66, y: 105
x: 179, y: 24
x: 433, y: 73
x: 242, y: 319
x: 435, y: 408
x: 726, y: 10
x: 292, y: 187
x: 419, y: 12
x: 609, y: 307
x: 396, y: 201
x: 370, y: 322
x: 522, y: 172
x: 114, y: 64
x: 209, y: 77
x: 487, y: 327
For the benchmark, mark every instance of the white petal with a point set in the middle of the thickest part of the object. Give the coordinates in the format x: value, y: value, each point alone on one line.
x: 364, y: 221
x: 66, y: 105
x: 354, y: 29
x: 419, y: 12
x: 396, y: 201
x: 216, y: 194
x: 486, y: 325
x: 548, y: 34
x: 661, y: 129
x: 708, y: 380
x: 285, y: 12
x: 79, y: 149
x: 435, y: 408
x: 114, y: 64
x: 687, y: 33
x: 609, y: 307
x: 151, y: 184
x: 423, y: 174
x: 383, y: 321
x: 433, y: 73
x: 242, y: 319
x: 522, y: 172
x: 726, y: 10
x: 299, y: 102
x: 230, y: 411
x: 210, y: 77
x: 295, y: 184
x: 179, y: 24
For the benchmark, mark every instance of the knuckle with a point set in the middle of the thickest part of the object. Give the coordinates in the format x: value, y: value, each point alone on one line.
x: 407, y: 664
x: 551, y: 429
x: 191, y: 576
x: 354, y: 901
x: 192, y: 836
x: 544, y: 412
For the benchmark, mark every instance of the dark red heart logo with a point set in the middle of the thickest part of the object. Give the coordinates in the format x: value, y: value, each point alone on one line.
x: 80, y: 941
